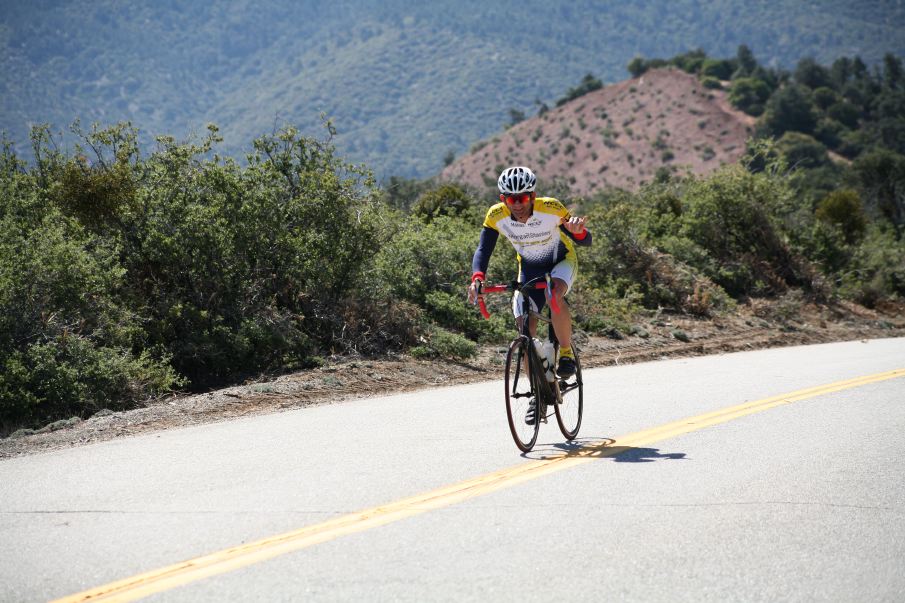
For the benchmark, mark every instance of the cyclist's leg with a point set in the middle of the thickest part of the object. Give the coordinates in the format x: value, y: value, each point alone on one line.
x: 563, y: 275
x: 536, y: 301
x: 536, y: 297
x: 562, y: 320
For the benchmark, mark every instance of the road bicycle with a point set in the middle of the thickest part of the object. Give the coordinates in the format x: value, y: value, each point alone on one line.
x: 530, y: 376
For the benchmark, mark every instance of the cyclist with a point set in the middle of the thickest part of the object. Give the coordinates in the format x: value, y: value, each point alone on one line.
x: 544, y: 235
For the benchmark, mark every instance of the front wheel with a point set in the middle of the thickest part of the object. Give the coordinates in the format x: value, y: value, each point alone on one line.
x: 520, y: 394
x: 571, y: 403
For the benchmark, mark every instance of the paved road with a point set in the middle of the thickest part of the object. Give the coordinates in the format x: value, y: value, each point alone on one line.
x: 804, y: 501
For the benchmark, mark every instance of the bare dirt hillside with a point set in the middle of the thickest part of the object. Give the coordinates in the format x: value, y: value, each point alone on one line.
x: 617, y: 136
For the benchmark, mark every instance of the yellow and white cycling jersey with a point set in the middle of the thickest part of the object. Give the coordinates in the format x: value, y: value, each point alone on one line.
x: 540, y: 242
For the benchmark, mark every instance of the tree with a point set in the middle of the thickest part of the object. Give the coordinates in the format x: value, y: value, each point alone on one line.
x: 802, y: 151
x: 844, y: 209
x: 746, y: 61
x: 720, y: 69
x: 515, y: 116
x: 809, y: 73
x: 749, y: 95
x: 824, y: 97
x: 845, y: 113
x: 881, y: 176
x: 542, y: 107
x: 840, y: 72
x: 690, y: 61
x: 637, y: 66
x: 589, y: 83
x: 859, y: 69
x: 892, y: 70
x: 790, y: 108
x: 829, y: 132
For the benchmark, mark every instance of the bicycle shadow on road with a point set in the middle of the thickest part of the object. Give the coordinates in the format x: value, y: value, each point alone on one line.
x: 603, y: 448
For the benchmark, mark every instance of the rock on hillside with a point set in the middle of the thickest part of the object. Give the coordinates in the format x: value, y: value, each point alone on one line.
x: 617, y: 136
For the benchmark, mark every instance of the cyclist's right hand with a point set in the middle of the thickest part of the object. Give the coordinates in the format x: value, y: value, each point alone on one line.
x: 474, y: 290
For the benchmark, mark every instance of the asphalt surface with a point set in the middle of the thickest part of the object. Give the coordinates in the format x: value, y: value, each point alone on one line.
x: 802, y: 502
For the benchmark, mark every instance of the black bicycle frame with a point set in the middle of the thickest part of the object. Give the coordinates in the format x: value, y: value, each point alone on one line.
x: 537, y: 374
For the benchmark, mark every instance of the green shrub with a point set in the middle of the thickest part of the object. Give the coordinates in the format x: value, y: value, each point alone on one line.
x: 826, y: 246
x: 880, y: 176
x: 69, y: 345
x: 120, y: 275
x: 732, y: 215
x: 812, y: 185
x: 802, y: 151
x: 429, y: 265
x: 73, y: 376
x: 843, y: 208
x: 601, y: 309
x: 876, y: 270
x: 231, y: 259
x: 401, y: 193
x: 629, y: 270
x: 711, y: 82
x: 717, y: 69
x: 440, y: 343
x: 444, y: 200
x: 749, y: 94
x: 420, y: 258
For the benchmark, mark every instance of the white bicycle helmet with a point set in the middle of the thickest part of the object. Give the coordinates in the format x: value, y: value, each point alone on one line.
x: 517, y: 180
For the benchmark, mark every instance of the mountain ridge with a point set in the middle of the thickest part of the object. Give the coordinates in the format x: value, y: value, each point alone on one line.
x: 448, y: 73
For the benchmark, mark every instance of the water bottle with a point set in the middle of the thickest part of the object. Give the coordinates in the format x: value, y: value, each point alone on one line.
x: 540, y: 348
x: 549, y: 357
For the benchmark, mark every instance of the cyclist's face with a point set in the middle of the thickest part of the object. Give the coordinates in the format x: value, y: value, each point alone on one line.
x: 519, y: 205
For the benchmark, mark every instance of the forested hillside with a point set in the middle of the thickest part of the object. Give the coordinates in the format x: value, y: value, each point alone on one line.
x: 406, y: 83
x: 693, y: 113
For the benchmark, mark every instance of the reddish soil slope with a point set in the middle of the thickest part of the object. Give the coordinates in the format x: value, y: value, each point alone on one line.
x: 617, y: 136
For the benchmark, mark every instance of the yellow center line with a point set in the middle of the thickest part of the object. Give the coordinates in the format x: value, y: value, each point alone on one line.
x: 166, y: 578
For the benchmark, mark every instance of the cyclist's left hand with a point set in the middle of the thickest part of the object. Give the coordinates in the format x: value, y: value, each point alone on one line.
x: 574, y: 224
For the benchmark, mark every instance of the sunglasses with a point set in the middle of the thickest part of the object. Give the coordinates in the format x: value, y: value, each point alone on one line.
x: 513, y: 199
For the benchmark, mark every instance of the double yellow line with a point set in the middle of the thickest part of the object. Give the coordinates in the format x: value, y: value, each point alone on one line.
x: 233, y: 558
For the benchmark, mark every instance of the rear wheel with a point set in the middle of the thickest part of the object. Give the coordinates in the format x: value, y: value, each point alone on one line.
x: 571, y: 405
x: 520, y: 392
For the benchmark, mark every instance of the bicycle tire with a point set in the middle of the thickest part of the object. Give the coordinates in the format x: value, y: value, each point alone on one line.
x: 520, y: 389
x: 571, y: 406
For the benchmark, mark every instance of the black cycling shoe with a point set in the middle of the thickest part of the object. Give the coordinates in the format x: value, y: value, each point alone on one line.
x: 531, y: 415
x: 566, y: 367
